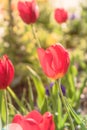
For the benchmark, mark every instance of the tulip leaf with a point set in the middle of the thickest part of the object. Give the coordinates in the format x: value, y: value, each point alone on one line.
x: 44, y: 107
x: 16, y: 100
x: 54, y: 97
x: 59, y: 112
x: 31, y: 96
x: 83, y: 127
x: 77, y: 118
x: 1, y: 97
x: 40, y: 91
x: 0, y: 124
x: 39, y: 86
x: 78, y: 93
x: 3, y: 110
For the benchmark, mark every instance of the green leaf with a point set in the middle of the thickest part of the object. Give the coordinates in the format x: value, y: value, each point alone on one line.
x: 39, y: 87
x: 59, y: 112
x: 44, y: 106
x: 1, y: 98
x: 74, y: 114
x: 77, y: 118
x: 78, y: 93
x: 30, y: 95
x: 64, y: 119
x: 0, y: 124
x: 71, y: 82
x: 83, y: 127
x: 3, y: 110
x: 40, y: 91
x: 19, y: 103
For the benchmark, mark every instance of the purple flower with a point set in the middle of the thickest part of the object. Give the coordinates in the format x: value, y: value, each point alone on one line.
x: 63, y: 90
x: 72, y: 16
x: 50, y: 87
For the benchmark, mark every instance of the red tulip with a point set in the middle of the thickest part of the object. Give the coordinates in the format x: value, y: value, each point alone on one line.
x: 47, y: 123
x: 35, y: 121
x: 54, y: 61
x: 6, y: 72
x: 28, y: 11
x: 60, y: 15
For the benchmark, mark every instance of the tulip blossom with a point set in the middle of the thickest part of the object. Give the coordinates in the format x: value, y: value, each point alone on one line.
x: 35, y: 121
x: 6, y: 72
x: 28, y: 11
x: 60, y: 15
x: 54, y: 61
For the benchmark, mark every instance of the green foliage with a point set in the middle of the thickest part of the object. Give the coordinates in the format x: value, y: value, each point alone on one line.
x: 20, y: 45
x: 39, y: 86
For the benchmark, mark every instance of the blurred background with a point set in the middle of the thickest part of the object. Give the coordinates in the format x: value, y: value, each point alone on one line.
x: 17, y: 41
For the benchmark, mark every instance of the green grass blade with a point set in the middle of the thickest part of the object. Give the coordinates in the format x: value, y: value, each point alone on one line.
x: 19, y: 103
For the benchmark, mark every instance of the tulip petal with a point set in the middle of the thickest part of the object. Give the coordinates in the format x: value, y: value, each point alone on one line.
x: 35, y: 115
x: 61, y: 55
x: 17, y: 119
x: 13, y: 126
x: 31, y: 125
x: 45, y: 58
x: 2, y: 75
x: 55, y: 62
x: 6, y: 72
x: 26, y: 123
x: 64, y: 57
x: 41, y: 54
x: 24, y: 11
x: 47, y: 64
x: 47, y: 123
x: 10, y: 69
x: 28, y: 11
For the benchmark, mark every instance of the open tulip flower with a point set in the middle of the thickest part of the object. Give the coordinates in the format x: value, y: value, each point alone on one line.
x: 60, y: 15
x: 28, y: 11
x: 54, y: 61
x: 6, y: 72
x: 35, y: 121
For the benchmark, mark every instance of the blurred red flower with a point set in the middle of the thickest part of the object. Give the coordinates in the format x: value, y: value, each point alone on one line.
x: 60, y: 15
x: 28, y: 11
x: 54, y: 61
x: 35, y: 121
x: 6, y: 72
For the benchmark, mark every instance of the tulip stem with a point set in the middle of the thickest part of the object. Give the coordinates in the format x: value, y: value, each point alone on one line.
x: 6, y: 106
x: 64, y: 103
x: 35, y: 35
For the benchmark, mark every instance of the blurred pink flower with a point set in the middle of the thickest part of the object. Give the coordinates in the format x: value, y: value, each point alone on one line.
x: 60, y: 15
x: 54, y: 61
x: 6, y: 72
x: 28, y: 11
x: 35, y: 121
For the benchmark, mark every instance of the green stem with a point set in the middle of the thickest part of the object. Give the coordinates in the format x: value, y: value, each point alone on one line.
x: 35, y: 35
x: 64, y: 103
x: 6, y: 106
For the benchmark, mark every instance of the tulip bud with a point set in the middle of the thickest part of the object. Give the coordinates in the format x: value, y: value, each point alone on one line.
x: 60, y: 15
x: 28, y: 11
x: 6, y: 72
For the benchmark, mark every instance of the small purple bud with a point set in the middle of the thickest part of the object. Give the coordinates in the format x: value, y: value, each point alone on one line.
x: 72, y: 17
x: 63, y: 90
x: 50, y: 87
x: 47, y: 88
x: 47, y: 91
